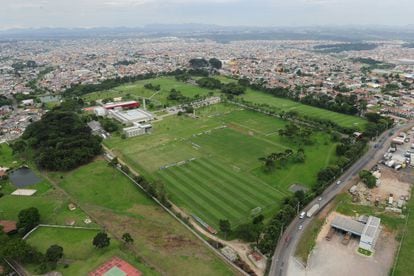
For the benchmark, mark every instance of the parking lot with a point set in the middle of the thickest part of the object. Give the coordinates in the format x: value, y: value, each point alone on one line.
x: 334, y: 258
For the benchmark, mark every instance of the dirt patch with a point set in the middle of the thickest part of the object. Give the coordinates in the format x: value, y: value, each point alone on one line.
x: 391, y: 184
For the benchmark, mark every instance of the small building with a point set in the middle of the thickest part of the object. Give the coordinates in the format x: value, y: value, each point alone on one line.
x: 9, y: 226
x: 100, y: 111
x: 370, y: 233
x: 229, y: 253
x: 137, y: 129
x: 28, y: 102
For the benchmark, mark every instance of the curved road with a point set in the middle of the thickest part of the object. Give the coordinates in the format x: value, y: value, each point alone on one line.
x: 287, y: 243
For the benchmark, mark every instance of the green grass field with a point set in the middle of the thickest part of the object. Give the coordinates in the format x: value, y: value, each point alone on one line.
x: 226, y: 180
x: 404, y: 264
x: 6, y: 157
x: 289, y: 105
x: 52, y: 204
x: 137, y: 90
x: 78, y: 250
x: 119, y: 206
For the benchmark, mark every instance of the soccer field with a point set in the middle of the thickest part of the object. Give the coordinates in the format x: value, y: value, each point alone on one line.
x: 214, y: 191
x: 289, y: 105
x: 137, y: 90
x: 211, y: 166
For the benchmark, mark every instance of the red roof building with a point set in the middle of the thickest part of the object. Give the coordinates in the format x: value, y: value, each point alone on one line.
x: 9, y: 226
x: 123, y: 105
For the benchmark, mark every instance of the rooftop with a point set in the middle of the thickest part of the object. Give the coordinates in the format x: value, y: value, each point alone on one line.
x: 349, y: 225
x: 371, y: 227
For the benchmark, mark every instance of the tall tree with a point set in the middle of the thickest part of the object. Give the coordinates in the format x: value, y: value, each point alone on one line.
x: 126, y: 237
x: 28, y: 219
x: 54, y: 253
x: 101, y: 240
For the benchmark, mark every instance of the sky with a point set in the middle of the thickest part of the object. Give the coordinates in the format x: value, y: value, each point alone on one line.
x: 135, y: 13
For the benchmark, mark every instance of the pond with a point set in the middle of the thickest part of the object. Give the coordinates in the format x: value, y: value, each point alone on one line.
x: 24, y: 177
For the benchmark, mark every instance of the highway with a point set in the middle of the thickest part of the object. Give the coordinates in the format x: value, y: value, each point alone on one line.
x: 287, y: 243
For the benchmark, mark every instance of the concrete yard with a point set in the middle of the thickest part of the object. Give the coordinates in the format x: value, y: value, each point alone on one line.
x: 334, y: 258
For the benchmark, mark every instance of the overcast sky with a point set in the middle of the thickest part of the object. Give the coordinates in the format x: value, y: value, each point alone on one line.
x: 109, y: 13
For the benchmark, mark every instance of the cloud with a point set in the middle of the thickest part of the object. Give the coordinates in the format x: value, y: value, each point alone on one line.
x: 78, y: 13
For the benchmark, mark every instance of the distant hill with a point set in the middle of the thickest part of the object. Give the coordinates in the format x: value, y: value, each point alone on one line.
x: 219, y: 33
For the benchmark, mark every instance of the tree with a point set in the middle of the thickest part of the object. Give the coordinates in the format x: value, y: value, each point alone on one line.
x: 233, y: 88
x: 225, y: 226
x: 368, y: 178
x: 28, y: 219
x: 126, y: 237
x: 249, y: 232
x: 114, y: 161
x: 215, y: 63
x: 101, y: 240
x: 19, y: 250
x: 54, y: 253
x: 198, y: 63
x: 258, y: 219
x: 61, y: 140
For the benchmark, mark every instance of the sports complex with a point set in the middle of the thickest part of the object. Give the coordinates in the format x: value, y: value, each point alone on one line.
x: 210, y: 163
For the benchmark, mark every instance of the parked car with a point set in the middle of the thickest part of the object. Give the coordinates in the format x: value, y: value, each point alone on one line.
x: 302, y: 215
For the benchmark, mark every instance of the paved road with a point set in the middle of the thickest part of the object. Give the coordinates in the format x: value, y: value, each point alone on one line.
x: 287, y: 244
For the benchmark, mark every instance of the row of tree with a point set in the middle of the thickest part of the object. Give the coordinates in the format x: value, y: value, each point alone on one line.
x: 154, y: 189
x: 198, y: 63
x: 280, y: 159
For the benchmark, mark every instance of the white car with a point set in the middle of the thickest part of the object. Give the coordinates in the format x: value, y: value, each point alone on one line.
x: 338, y: 182
x: 300, y: 226
x: 320, y: 198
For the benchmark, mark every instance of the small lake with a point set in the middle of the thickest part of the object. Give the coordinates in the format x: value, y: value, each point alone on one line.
x: 23, y: 177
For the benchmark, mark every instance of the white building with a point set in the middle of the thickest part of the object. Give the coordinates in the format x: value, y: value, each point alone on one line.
x: 137, y: 129
x: 370, y: 233
x: 131, y: 116
x: 100, y: 111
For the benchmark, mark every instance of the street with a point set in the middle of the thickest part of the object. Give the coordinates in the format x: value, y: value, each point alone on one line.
x: 287, y: 244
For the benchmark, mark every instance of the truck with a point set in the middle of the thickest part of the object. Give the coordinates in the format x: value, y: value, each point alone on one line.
x: 312, y: 210
x: 346, y: 238
x: 331, y: 232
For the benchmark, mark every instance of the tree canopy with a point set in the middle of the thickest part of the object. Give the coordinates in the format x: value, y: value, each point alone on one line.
x: 368, y: 178
x: 61, y: 140
x: 233, y: 89
x: 28, y: 219
x: 197, y: 63
x: 54, y: 253
x: 215, y: 63
x: 101, y: 240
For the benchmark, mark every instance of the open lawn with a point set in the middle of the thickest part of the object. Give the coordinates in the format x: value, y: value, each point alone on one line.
x: 52, y: 204
x: 6, y: 157
x: 78, y: 250
x: 404, y: 263
x: 119, y: 206
x: 289, y: 105
x: 137, y: 90
x: 225, y: 179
